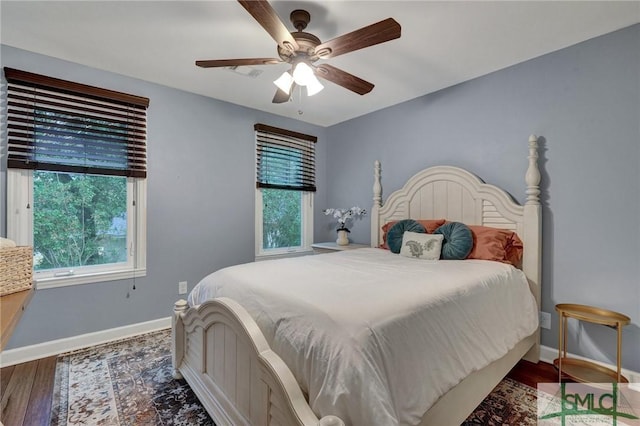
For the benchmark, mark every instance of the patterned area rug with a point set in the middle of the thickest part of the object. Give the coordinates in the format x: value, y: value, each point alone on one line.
x: 129, y: 382
x: 510, y: 403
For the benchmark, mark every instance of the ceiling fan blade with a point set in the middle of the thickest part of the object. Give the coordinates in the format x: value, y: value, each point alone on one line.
x: 377, y: 33
x: 212, y: 63
x: 266, y: 16
x: 344, y: 79
x: 282, y: 96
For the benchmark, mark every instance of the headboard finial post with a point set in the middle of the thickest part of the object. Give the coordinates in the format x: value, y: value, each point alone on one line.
x: 532, y: 236
x: 377, y: 186
x: 533, y: 173
x: 377, y: 204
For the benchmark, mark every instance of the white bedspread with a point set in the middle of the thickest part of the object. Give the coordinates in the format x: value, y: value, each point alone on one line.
x: 376, y: 338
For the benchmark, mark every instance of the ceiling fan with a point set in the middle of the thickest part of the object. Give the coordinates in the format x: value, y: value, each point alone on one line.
x: 302, y: 50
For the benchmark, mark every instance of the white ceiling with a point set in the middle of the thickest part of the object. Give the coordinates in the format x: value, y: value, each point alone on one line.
x: 443, y: 43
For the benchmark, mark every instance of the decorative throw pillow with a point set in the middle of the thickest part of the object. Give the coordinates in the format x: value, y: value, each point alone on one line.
x: 429, y: 224
x: 458, y: 240
x: 421, y: 246
x: 500, y: 245
x: 394, y: 236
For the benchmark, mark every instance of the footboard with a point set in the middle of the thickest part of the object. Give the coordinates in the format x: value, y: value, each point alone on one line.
x: 220, y: 351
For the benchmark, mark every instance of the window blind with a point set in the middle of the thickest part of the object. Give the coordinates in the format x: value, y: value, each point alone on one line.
x: 285, y: 159
x: 58, y: 125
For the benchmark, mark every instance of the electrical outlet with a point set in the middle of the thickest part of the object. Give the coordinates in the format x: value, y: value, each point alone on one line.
x: 182, y: 287
x: 545, y: 320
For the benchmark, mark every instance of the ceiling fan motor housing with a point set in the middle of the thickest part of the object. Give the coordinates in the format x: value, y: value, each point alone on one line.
x: 307, y: 43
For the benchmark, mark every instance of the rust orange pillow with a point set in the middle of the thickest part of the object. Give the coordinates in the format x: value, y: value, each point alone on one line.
x: 501, y: 245
x: 429, y: 224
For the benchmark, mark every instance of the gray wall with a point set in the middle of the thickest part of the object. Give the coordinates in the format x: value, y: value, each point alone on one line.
x: 201, y: 168
x: 584, y: 101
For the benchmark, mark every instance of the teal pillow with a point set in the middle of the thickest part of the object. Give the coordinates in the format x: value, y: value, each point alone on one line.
x: 458, y: 240
x: 394, y: 236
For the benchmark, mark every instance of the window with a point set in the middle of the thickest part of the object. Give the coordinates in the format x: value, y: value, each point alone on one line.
x: 76, y: 179
x: 285, y: 183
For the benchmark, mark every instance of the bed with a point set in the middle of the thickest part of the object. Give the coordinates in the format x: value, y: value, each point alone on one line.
x: 231, y: 347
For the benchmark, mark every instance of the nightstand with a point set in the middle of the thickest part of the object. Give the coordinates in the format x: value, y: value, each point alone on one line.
x: 332, y: 246
x: 585, y: 371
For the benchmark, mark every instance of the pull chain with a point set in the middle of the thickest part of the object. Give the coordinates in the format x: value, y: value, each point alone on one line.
x: 135, y: 236
x: 300, y: 111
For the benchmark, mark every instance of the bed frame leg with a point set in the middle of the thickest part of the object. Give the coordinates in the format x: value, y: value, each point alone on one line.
x: 177, y: 337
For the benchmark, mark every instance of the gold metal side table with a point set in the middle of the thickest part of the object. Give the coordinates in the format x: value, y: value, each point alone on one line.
x: 581, y: 370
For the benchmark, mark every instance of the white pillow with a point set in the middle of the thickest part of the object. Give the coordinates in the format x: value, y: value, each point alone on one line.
x: 421, y: 246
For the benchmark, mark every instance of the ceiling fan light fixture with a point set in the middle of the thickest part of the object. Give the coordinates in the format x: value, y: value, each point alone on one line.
x: 284, y: 82
x: 302, y: 74
x: 314, y: 86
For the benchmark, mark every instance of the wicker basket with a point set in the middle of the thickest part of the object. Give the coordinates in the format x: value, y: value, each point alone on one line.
x: 16, y: 269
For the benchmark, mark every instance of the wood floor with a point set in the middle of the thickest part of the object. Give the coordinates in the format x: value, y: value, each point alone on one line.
x: 27, y: 389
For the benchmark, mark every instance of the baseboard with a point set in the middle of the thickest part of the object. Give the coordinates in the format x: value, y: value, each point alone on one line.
x: 55, y: 347
x: 548, y: 354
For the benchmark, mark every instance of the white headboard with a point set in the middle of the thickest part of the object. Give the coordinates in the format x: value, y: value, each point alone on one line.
x: 444, y: 192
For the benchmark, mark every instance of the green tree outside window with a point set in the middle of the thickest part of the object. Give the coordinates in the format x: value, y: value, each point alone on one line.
x: 79, y: 219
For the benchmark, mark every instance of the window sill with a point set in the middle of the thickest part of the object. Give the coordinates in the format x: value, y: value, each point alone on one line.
x: 283, y: 255
x: 89, y: 278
